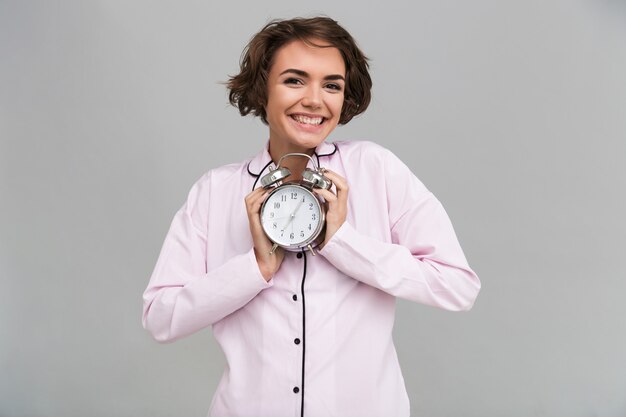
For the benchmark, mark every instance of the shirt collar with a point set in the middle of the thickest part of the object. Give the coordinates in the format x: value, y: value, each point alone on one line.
x: 259, y: 164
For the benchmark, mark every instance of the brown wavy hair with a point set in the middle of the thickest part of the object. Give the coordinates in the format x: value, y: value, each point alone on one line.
x: 248, y: 89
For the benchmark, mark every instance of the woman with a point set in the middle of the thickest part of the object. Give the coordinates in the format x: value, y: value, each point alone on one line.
x: 306, y: 335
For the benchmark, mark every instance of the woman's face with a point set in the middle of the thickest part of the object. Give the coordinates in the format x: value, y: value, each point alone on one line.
x: 305, y: 95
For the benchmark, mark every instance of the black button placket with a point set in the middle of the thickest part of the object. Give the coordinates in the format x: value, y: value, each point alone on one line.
x: 301, y: 341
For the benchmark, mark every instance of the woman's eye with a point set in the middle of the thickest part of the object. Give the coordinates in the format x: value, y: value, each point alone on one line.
x: 336, y: 87
x: 293, y: 81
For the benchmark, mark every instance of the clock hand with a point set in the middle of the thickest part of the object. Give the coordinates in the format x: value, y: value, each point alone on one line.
x: 292, y: 215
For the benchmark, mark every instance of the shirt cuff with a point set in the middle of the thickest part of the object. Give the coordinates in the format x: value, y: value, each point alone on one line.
x: 355, y: 254
x: 256, y: 272
x: 343, y: 238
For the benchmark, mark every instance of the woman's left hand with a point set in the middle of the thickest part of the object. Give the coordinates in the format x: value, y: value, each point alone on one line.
x: 336, y: 204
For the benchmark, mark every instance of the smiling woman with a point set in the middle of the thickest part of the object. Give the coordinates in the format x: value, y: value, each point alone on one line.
x: 303, y: 103
x: 305, y: 334
x: 248, y: 89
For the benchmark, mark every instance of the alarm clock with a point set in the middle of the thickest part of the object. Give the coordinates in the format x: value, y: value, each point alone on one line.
x: 293, y: 216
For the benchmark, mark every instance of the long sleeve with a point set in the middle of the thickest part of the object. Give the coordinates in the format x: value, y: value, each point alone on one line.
x: 182, y: 297
x: 423, y: 262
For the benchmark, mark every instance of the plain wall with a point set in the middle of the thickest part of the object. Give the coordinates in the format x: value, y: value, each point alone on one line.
x: 512, y: 112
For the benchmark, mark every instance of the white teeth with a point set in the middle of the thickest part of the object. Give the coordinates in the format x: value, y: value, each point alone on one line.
x: 308, y: 120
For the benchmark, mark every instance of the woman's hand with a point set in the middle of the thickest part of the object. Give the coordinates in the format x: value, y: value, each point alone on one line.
x: 336, y: 204
x: 268, y: 264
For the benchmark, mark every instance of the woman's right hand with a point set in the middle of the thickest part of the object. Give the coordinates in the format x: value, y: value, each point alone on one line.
x: 268, y: 264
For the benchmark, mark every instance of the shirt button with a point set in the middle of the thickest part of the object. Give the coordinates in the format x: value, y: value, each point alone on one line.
x: 299, y: 255
x: 296, y: 341
x: 294, y: 297
x: 296, y: 390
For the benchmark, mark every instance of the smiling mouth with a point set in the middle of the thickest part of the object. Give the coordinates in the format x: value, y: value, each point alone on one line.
x: 315, y: 121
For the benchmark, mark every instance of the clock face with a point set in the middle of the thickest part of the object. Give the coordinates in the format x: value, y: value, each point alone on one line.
x: 292, y: 216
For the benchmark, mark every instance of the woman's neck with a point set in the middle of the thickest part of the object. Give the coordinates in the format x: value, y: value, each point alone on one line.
x: 295, y: 164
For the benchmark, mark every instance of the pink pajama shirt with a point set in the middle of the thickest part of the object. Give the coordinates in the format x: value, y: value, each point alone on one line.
x: 316, y: 340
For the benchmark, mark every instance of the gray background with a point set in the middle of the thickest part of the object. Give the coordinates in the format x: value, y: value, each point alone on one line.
x: 512, y: 113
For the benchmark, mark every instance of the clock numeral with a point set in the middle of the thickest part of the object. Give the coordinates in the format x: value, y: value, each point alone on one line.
x: 294, y: 196
x: 276, y: 205
x: 291, y: 236
x: 274, y: 226
x: 282, y: 233
x: 310, y: 206
x: 303, y: 197
x: 313, y: 216
x: 283, y: 198
x: 301, y: 233
x: 272, y: 215
x: 309, y: 226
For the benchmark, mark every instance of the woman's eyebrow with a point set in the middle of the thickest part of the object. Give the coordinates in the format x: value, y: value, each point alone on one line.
x: 334, y: 77
x: 306, y: 74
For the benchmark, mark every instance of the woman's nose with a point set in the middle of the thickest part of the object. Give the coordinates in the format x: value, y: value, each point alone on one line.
x: 312, y: 98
